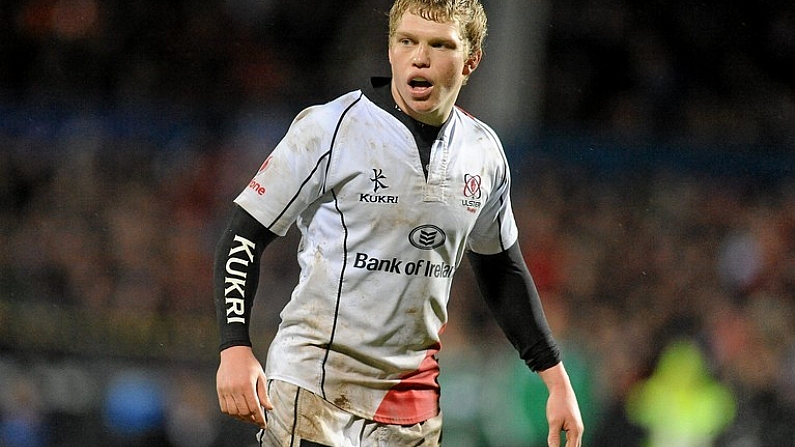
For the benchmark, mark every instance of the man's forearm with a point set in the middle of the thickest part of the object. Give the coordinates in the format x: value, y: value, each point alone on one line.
x: 236, y: 276
x: 511, y: 295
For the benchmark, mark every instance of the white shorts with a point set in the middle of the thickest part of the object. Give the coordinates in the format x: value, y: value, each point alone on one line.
x: 303, y: 419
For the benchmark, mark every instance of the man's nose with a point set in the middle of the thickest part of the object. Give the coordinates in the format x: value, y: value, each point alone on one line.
x: 421, y: 58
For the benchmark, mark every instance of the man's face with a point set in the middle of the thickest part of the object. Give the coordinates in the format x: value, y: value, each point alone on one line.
x: 430, y: 63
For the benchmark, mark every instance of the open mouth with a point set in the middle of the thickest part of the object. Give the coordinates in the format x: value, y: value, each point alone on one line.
x: 420, y: 83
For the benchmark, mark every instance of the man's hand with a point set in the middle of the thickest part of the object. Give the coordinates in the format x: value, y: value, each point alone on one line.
x: 563, y: 412
x: 240, y: 383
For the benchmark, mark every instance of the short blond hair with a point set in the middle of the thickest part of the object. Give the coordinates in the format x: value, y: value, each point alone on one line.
x: 469, y: 15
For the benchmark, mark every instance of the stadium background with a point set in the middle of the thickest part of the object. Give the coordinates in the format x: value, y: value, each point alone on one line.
x: 652, y: 145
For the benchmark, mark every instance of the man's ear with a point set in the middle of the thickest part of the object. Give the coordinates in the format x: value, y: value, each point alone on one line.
x: 472, y: 63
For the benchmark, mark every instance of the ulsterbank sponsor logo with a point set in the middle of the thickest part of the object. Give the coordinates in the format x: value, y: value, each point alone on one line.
x: 427, y: 237
x: 420, y: 267
x: 424, y: 237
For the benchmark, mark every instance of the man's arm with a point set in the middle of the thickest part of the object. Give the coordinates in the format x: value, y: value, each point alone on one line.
x: 511, y: 295
x: 240, y: 381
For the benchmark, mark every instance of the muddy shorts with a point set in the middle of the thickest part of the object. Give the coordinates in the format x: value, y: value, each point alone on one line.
x: 303, y: 419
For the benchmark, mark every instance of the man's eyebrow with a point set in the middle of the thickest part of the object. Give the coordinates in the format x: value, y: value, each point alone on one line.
x: 432, y: 38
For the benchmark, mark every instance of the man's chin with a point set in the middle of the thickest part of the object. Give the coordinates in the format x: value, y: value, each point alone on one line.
x: 426, y: 115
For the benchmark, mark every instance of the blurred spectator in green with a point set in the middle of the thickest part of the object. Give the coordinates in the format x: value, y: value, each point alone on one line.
x: 681, y: 404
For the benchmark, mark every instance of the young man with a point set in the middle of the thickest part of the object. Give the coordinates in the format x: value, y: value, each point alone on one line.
x: 390, y: 186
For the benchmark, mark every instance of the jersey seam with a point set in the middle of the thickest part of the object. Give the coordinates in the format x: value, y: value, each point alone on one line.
x: 334, y: 136
x: 325, y: 155
x: 344, y: 254
x: 300, y: 188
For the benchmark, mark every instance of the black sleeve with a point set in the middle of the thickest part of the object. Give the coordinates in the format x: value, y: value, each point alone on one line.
x: 511, y: 295
x: 236, y: 275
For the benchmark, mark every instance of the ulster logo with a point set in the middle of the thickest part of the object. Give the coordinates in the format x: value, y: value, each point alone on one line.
x: 472, y: 192
x: 427, y: 237
x: 472, y: 186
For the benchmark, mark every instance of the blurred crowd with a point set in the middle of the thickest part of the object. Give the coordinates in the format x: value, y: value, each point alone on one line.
x: 126, y: 128
x: 673, y: 69
x: 701, y: 71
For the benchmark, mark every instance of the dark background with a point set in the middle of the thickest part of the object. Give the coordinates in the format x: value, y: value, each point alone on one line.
x: 652, y: 144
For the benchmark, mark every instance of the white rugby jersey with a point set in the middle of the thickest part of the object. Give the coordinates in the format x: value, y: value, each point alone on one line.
x: 379, y: 248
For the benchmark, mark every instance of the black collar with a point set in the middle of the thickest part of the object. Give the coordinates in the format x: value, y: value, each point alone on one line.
x: 380, y: 92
